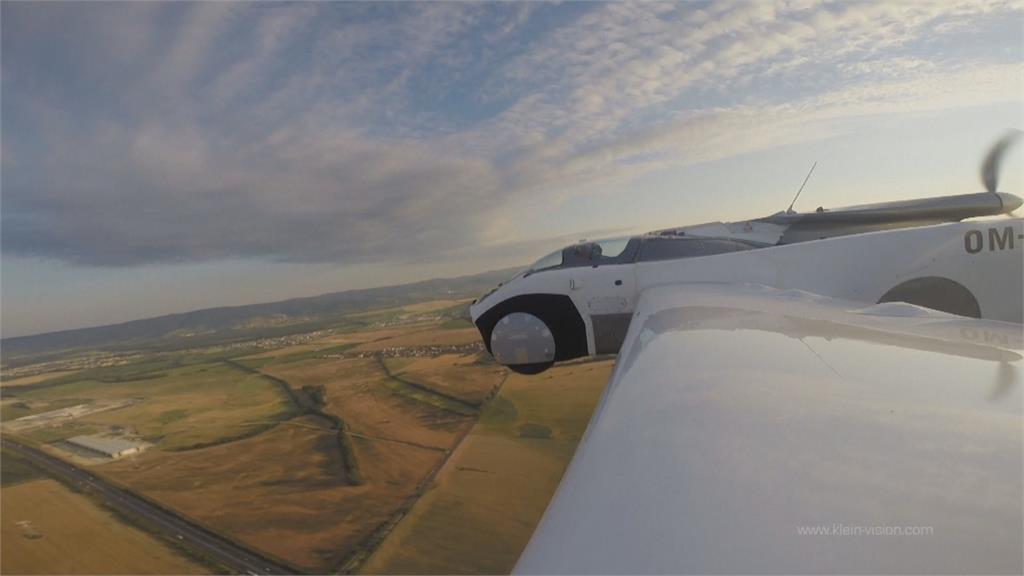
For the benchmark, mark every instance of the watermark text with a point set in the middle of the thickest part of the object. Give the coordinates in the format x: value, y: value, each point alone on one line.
x: 860, y: 530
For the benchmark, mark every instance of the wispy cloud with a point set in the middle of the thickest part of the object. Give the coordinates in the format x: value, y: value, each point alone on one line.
x: 349, y: 132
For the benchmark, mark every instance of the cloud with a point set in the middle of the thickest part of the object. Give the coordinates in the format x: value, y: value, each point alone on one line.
x: 381, y: 132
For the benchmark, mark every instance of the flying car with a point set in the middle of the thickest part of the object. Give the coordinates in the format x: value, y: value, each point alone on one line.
x: 828, y: 392
x: 579, y: 300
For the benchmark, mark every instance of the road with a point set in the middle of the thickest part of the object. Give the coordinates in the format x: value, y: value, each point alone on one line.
x: 223, y: 551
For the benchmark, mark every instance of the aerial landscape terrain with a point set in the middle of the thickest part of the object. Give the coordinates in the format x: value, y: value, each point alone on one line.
x: 255, y: 256
x: 359, y: 432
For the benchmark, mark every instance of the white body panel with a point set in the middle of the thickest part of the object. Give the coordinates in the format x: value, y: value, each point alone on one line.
x: 986, y: 257
x: 866, y: 266
x: 602, y: 291
x: 741, y: 418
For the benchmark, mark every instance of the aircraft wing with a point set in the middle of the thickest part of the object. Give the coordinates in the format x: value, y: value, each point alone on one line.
x: 752, y: 430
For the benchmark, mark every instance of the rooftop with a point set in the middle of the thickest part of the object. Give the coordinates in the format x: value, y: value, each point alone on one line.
x: 105, y: 444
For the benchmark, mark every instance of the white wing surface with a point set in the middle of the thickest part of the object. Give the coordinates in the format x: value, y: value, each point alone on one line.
x: 752, y: 430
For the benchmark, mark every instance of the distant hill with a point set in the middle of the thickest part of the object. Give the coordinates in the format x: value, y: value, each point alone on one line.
x: 234, y: 323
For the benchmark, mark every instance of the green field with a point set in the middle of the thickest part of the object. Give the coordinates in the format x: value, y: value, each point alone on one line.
x: 178, y: 409
x: 62, y: 431
x: 17, y: 407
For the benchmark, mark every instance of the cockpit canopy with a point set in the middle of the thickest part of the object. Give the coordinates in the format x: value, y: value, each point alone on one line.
x: 638, y: 249
x: 609, y: 251
x: 670, y: 245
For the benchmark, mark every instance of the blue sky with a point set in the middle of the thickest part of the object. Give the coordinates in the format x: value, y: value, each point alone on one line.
x: 159, y: 157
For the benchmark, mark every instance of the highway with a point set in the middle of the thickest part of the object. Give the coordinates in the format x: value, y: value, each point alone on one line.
x: 223, y: 551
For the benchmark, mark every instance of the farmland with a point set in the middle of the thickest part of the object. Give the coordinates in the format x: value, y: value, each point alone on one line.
x: 180, y: 408
x: 482, y: 508
x: 35, y: 379
x: 48, y: 529
x: 388, y: 441
x: 282, y: 492
x: 16, y: 470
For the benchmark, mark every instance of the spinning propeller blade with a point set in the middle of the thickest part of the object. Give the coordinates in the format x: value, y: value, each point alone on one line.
x: 990, y: 167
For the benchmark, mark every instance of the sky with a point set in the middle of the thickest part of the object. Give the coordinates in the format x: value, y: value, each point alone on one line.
x: 161, y: 157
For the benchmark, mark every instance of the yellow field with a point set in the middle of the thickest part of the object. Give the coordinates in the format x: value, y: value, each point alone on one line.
x: 358, y: 391
x: 5, y: 382
x: 417, y: 308
x: 355, y: 337
x: 286, y: 350
x: 281, y: 491
x: 47, y: 529
x: 458, y: 375
x: 485, y: 503
x: 427, y: 337
x: 433, y: 305
x: 373, y: 334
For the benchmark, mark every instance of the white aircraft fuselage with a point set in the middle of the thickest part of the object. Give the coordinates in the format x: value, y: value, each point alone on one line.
x: 579, y: 301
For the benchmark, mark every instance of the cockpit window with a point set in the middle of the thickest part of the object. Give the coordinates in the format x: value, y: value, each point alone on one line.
x: 672, y: 248
x: 601, y: 252
x: 722, y: 245
x: 612, y: 247
x: 552, y: 260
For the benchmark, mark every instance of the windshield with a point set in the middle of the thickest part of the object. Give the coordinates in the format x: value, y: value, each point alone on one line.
x: 553, y: 260
x: 550, y: 261
x: 607, y: 251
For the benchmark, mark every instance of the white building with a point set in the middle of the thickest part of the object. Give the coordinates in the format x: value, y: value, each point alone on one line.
x: 109, y: 447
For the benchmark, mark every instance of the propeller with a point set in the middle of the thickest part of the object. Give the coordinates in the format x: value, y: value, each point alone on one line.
x: 990, y: 171
x: 990, y: 167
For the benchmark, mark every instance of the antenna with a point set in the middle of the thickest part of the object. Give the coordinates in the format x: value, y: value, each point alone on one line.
x: 790, y: 209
